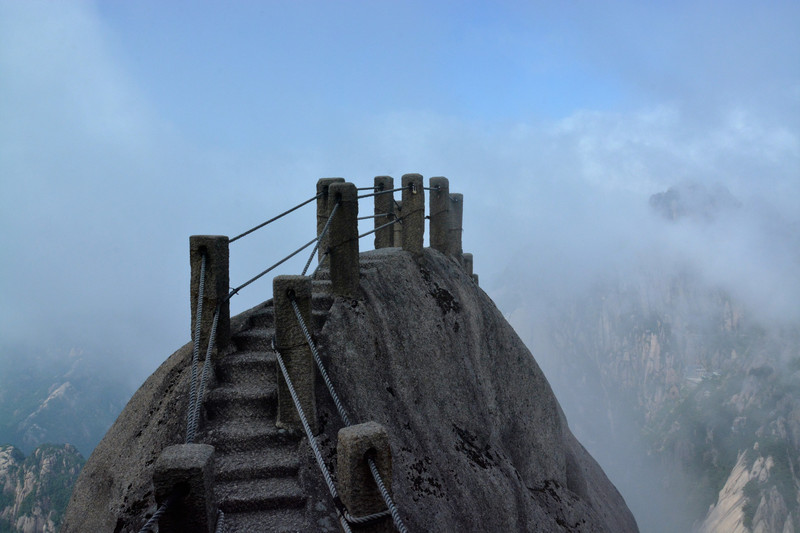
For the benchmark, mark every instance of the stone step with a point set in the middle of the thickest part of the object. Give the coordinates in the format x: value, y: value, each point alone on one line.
x: 265, y: 319
x: 257, y: 367
x: 254, y: 340
x: 243, y: 400
x: 273, y: 520
x: 259, y: 494
x: 321, y: 301
x: 274, y: 461
x: 229, y: 436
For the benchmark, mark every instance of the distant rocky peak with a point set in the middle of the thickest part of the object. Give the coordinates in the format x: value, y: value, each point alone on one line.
x: 694, y: 201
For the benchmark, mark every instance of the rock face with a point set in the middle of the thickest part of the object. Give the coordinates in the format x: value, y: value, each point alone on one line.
x: 478, y: 440
x: 34, y: 491
x: 684, y: 393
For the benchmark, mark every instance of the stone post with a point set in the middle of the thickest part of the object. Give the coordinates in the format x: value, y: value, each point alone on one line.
x: 215, y: 292
x: 454, y: 235
x: 188, y: 468
x: 440, y: 211
x: 384, y: 205
x: 323, y: 212
x: 357, y: 487
x: 413, y: 213
x: 468, y: 263
x: 397, y: 236
x: 294, y: 349
x: 343, y: 242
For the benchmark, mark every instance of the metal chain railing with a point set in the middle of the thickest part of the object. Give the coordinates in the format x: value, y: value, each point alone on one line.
x: 220, y: 522
x: 196, y: 348
x: 383, y: 191
x: 319, y: 238
x: 311, y: 440
x: 196, y: 393
x: 391, y: 507
x: 273, y: 219
x: 179, y: 492
x: 370, y: 232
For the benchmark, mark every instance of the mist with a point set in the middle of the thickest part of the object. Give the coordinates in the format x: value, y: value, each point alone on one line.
x: 124, y: 129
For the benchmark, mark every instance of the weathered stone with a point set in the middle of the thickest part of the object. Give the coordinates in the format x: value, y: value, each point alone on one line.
x: 454, y: 247
x: 413, y: 213
x: 293, y: 347
x: 384, y: 212
x: 440, y: 213
x: 468, y: 266
x: 357, y: 487
x: 323, y: 212
x: 215, y: 292
x: 188, y: 468
x: 343, y: 242
x: 398, y: 228
x: 479, y: 441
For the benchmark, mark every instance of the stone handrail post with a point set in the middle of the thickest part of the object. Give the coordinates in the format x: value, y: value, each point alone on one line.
x: 343, y: 241
x: 397, y: 235
x: 215, y: 293
x: 293, y: 347
x: 413, y: 213
x: 440, y: 211
x: 454, y: 234
x: 187, y: 467
x: 468, y: 266
x: 357, y: 487
x: 323, y: 212
x: 384, y: 205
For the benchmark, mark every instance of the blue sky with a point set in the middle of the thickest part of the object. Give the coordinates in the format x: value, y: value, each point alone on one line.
x: 125, y: 127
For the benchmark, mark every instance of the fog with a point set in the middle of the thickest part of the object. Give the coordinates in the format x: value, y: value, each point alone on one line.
x: 125, y: 128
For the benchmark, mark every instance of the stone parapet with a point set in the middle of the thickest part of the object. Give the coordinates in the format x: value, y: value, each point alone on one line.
x: 188, y: 469
x: 215, y: 292
x: 291, y: 343
x: 357, y: 487
x: 413, y: 213
x: 384, y: 212
x: 343, y: 241
x: 323, y: 212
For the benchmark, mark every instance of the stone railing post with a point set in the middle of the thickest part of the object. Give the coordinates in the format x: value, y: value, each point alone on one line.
x: 440, y: 213
x: 215, y: 291
x: 397, y: 236
x: 384, y: 205
x: 468, y: 266
x: 188, y: 468
x: 357, y: 487
x: 294, y: 350
x: 343, y: 241
x: 413, y: 213
x: 454, y: 234
x: 323, y: 212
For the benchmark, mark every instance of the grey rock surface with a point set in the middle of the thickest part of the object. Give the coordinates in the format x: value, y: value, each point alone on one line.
x: 478, y: 440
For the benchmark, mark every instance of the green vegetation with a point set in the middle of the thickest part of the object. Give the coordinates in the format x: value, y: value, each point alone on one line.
x: 52, y: 491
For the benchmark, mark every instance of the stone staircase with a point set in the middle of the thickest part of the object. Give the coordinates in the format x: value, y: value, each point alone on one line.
x: 257, y: 464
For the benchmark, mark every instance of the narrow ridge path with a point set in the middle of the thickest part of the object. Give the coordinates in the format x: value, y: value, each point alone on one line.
x: 256, y: 463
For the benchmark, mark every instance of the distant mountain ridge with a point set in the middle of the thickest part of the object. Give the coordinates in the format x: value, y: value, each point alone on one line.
x: 66, y: 399
x: 688, y: 397
x: 48, y: 399
x: 35, y: 490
